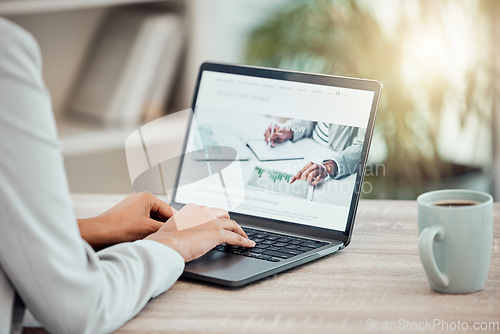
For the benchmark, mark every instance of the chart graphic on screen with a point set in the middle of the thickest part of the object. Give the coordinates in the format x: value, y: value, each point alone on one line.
x: 277, y: 181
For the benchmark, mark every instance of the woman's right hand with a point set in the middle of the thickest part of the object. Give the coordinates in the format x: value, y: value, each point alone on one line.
x: 212, y: 228
x: 277, y: 135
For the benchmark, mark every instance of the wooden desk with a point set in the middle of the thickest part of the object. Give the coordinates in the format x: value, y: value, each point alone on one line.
x: 378, y: 277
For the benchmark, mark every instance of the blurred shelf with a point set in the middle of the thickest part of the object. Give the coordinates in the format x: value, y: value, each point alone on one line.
x: 78, y: 21
x: 18, y: 7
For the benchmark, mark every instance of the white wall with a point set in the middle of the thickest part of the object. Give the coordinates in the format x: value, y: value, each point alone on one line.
x: 218, y: 31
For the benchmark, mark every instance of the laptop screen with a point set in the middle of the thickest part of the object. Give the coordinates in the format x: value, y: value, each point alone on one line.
x: 276, y: 148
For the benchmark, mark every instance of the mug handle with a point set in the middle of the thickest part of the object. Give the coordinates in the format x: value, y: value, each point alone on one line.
x: 425, y: 243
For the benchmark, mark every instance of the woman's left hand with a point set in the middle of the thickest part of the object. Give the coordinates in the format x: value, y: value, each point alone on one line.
x: 134, y: 218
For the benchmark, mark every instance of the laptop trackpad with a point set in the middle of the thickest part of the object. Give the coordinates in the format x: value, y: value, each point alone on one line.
x: 227, y: 266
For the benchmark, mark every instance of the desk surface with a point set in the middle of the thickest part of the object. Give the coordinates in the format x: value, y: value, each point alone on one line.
x: 377, y: 277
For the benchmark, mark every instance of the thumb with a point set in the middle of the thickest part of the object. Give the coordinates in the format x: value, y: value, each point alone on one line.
x: 155, y: 225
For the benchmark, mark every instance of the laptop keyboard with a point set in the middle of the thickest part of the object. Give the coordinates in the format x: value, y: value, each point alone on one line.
x: 271, y: 246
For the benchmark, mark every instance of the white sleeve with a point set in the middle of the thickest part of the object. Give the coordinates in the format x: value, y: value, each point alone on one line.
x: 66, y: 285
x: 347, y: 161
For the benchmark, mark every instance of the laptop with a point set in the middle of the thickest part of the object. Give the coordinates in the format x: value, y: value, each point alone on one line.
x: 327, y: 120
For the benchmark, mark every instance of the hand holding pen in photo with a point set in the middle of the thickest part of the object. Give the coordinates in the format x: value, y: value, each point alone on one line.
x: 276, y: 134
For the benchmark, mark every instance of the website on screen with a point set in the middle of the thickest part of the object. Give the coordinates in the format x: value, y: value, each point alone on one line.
x: 275, y: 149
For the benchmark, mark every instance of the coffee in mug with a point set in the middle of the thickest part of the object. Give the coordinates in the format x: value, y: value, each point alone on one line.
x: 455, y: 202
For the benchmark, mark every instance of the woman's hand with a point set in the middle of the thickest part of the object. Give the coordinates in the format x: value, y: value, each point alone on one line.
x: 192, y: 215
x: 197, y: 229
x: 134, y: 218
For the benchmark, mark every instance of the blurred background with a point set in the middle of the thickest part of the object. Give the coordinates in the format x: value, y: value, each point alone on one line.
x: 438, y: 124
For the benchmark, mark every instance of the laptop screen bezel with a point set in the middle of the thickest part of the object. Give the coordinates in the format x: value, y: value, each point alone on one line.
x: 310, y: 78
